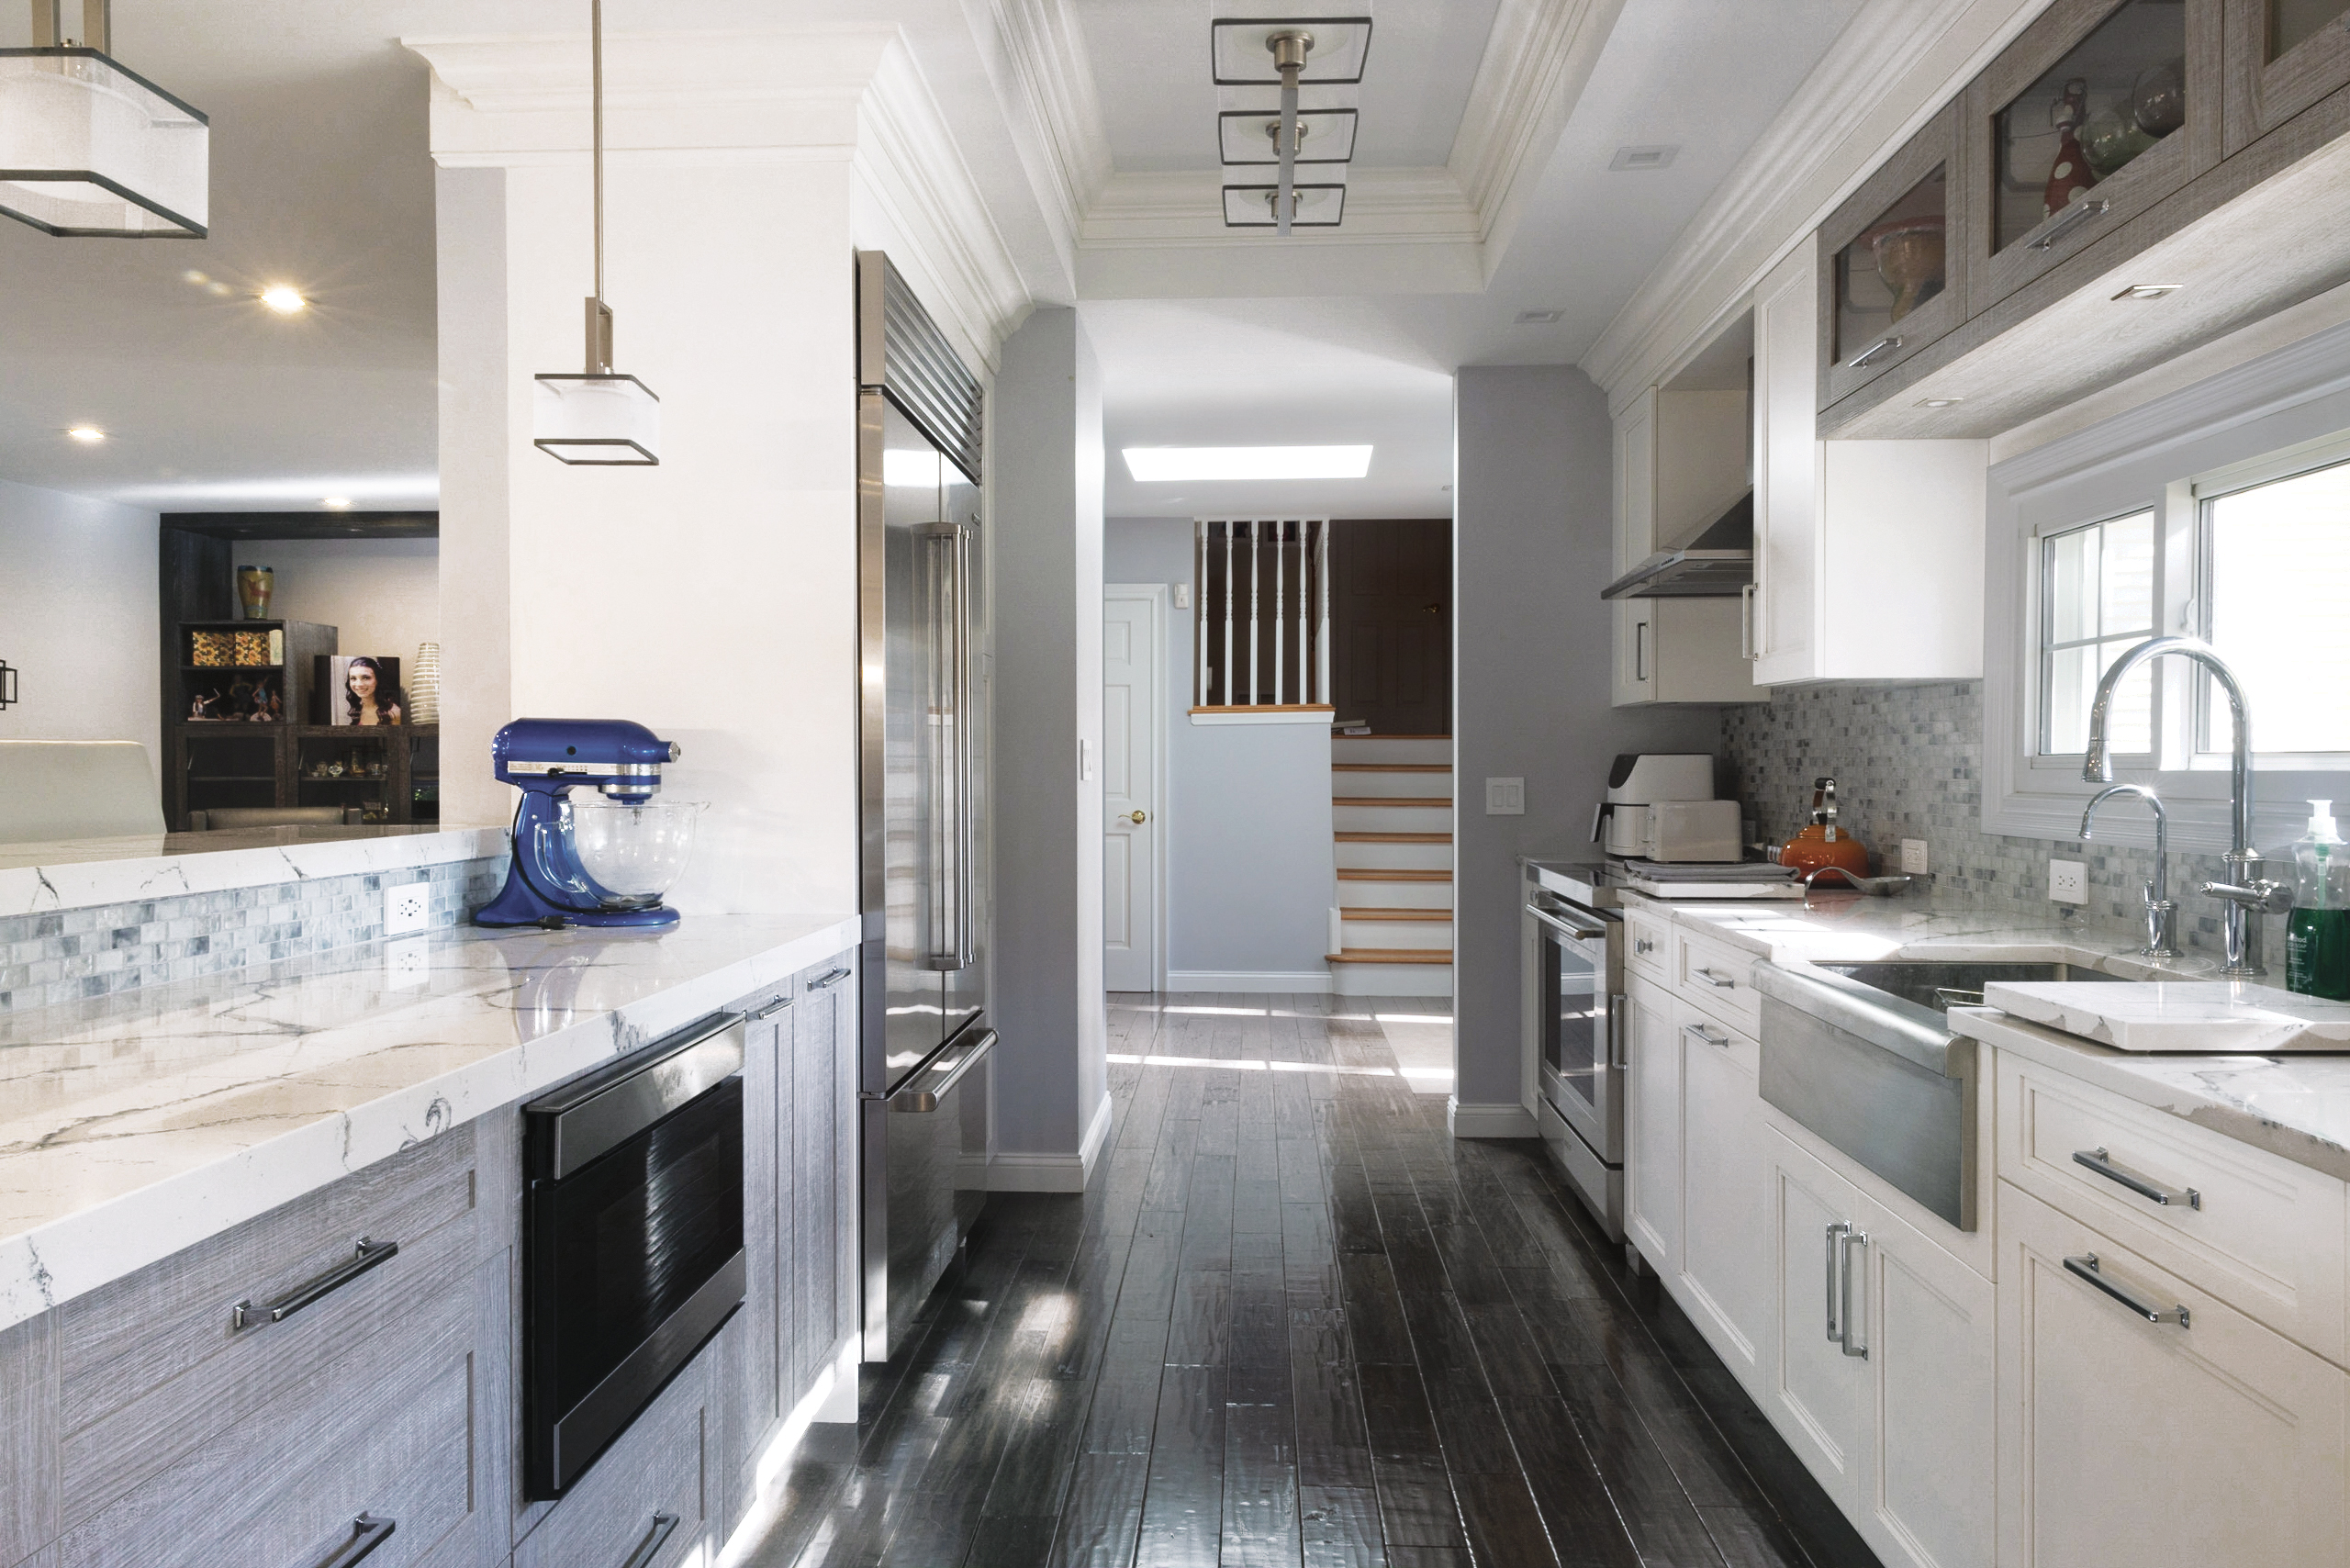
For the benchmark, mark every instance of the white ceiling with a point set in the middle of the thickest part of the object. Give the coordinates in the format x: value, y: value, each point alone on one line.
x: 321, y: 179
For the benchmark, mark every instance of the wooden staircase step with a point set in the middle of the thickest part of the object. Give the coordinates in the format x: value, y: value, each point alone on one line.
x: 1419, y: 802
x: 1391, y: 955
x: 1393, y: 914
x: 1393, y: 837
x: 1374, y: 874
x: 1390, y: 768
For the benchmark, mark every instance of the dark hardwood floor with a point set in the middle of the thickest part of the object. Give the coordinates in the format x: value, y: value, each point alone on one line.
x: 1293, y: 1322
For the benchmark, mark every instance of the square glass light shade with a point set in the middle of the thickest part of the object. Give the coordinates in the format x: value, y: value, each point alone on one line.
x: 1243, y: 57
x: 597, y: 420
x: 87, y: 148
x: 1251, y: 207
x: 1246, y: 136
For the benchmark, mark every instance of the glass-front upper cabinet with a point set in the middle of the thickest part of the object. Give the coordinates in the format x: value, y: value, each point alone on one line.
x: 1892, y: 276
x: 2282, y: 56
x: 2098, y: 110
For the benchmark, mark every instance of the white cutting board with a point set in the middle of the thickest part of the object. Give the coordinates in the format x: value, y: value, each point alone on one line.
x: 2201, y: 1018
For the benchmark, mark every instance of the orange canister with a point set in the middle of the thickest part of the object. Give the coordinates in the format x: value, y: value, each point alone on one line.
x: 1823, y: 843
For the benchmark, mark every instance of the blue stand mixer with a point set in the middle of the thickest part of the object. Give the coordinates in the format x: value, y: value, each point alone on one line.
x: 602, y: 860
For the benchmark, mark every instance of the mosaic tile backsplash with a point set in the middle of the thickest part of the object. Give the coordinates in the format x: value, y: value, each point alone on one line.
x: 68, y: 954
x: 1908, y: 761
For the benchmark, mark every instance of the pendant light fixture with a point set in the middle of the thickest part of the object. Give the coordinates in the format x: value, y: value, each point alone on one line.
x: 1298, y: 52
x: 599, y: 418
x: 88, y: 149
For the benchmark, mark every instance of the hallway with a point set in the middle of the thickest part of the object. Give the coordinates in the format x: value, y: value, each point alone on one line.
x: 1293, y: 1322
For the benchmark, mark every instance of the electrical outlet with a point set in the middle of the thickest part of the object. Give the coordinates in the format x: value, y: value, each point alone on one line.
x: 1505, y: 797
x: 2068, y: 881
x: 408, y: 963
x: 407, y: 908
x: 1913, y: 856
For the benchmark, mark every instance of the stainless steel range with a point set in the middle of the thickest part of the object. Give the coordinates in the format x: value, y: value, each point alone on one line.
x: 1572, y: 964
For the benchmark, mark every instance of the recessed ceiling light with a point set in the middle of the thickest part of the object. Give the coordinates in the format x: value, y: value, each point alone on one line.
x: 1940, y: 402
x: 1636, y: 159
x: 88, y: 435
x: 1536, y: 318
x: 2149, y: 290
x: 196, y: 277
x: 336, y: 503
x: 285, y: 301
x: 1178, y: 463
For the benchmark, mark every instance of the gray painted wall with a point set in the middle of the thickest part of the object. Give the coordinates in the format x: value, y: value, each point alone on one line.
x: 1251, y: 865
x: 1532, y: 546
x: 1050, y: 1075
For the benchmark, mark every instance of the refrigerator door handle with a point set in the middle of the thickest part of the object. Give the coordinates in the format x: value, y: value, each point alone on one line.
x: 943, y: 937
x: 965, y: 828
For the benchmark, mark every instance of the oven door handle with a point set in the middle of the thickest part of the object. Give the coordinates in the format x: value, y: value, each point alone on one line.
x: 1617, y: 1056
x: 608, y: 1109
x: 1558, y: 923
x: 921, y: 1098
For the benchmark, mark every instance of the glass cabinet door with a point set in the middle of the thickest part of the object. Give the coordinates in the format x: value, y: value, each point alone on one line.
x: 2096, y: 112
x: 2283, y: 56
x: 1890, y: 275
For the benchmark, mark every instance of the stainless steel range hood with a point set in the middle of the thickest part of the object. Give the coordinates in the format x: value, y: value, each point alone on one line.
x: 1717, y: 563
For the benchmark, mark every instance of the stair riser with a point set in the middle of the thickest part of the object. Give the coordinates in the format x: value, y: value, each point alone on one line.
x: 1378, y: 748
x: 1396, y: 895
x: 1392, y: 979
x: 1392, y: 784
x: 1391, y: 819
x: 1396, y: 934
x: 1394, y: 857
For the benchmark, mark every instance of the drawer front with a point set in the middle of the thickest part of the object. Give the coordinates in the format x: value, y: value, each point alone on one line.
x: 271, y: 1461
x: 1648, y: 943
x: 1716, y: 977
x: 1701, y: 1032
x: 2263, y: 1234
x: 127, y: 1338
x: 653, y: 1474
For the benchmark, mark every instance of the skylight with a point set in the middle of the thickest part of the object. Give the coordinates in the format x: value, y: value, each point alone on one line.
x: 1180, y: 463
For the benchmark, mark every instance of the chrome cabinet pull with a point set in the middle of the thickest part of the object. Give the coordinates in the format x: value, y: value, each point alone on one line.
x: 1643, y: 945
x: 1844, y: 1245
x: 1701, y: 1033
x: 1719, y: 982
x: 367, y: 1533
x: 835, y: 978
x: 2084, y: 1267
x: 1617, y: 1056
x: 2145, y: 1186
x: 2080, y: 212
x: 1746, y: 641
x: 1830, y: 1291
x: 772, y: 1008
x: 1883, y: 345
x: 365, y: 1255
x: 655, y: 1539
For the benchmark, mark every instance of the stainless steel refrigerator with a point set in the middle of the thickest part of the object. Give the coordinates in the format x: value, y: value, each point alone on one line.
x: 922, y: 629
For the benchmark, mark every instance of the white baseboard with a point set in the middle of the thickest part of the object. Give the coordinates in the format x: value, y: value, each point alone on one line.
x: 1393, y: 979
x: 1054, y: 1173
x: 1506, y: 1120
x: 1311, y: 982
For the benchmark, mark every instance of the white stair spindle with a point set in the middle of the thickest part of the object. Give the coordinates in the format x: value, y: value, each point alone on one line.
x: 1256, y: 572
x: 1200, y: 610
x: 1305, y: 615
x: 1322, y: 635
x: 1280, y: 602
x: 1227, y: 612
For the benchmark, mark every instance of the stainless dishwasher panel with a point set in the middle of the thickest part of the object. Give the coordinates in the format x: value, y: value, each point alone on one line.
x: 1878, y: 1078
x: 924, y: 1183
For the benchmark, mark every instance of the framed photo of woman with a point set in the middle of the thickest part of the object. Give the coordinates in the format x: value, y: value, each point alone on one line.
x: 363, y: 690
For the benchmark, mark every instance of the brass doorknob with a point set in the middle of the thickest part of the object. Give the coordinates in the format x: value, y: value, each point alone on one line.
x: 1137, y: 818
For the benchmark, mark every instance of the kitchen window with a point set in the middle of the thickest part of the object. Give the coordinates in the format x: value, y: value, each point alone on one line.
x: 2096, y: 602
x: 2276, y: 557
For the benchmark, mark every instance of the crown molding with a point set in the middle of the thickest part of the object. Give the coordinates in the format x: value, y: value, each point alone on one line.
x: 1539, y: 57
x: 1066, y: 147
x: 1891, y: 69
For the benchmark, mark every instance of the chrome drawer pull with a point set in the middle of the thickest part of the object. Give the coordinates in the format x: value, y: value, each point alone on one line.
x: 1701, y: 1032
x: 650, y: 1547
x: 2084, y: 1267
x: 1844, y: 1245
x: 1643, y: 945
x: 771, y: 1009
x: 367, y: 1533
x: 1719, y: 982
x: 2080, y: 212
x: 2144, y: 1186
x: 1881, y: 345
x: 821, y: 982
x: 1828, y: 1291
x: 365, y: 1255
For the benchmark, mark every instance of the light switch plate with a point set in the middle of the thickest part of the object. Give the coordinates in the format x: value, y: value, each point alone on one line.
x: 407, y: 908
x: 1182, y: 596
x: 408, y: 963
x: 1913, y: 856
x: 2068, y: 881
x: 1505, y: 797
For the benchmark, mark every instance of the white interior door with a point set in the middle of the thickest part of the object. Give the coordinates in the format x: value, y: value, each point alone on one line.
x: 1134, y: 647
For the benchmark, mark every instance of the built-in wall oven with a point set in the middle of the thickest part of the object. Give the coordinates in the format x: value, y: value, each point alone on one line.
x: 633, y: 1240
x: 1573, y: 954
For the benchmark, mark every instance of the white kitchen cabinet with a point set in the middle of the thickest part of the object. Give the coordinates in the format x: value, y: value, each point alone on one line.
x: 1652, y: 1126
x: 1868, y: 555
x: 1676, y: 454
x: 1726, y: 1260
x: 1815, y: 1388
x: 2122, y: 1442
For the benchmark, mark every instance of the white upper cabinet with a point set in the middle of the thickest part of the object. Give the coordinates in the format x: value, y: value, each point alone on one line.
x: 1677, y: 454
x: 1868, y: 555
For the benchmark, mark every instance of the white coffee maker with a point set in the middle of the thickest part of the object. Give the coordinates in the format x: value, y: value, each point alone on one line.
x: 1661, y: 806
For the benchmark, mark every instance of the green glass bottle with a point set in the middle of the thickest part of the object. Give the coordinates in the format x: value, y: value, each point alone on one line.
x: 2317, y: 936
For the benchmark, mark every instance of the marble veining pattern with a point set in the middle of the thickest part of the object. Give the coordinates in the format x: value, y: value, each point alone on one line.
x: 136, y: 1125
x: 77, y: 873
x: 2207, y: 1017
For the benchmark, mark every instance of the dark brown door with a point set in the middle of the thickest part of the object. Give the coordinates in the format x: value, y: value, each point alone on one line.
x: 1391, y: 646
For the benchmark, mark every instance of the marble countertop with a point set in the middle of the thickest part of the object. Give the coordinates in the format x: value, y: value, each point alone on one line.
x: 79, y: 872
x: 134, y: 1125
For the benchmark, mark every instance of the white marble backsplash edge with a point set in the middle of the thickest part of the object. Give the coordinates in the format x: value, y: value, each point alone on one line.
x: 143, y: 871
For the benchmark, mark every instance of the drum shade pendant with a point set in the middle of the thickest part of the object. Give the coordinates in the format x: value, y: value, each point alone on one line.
x: 599, y: 418
x: 88, y: 149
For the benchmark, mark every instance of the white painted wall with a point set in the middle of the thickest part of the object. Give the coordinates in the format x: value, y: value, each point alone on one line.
x: 77, y: 619
x: 382, y: 595
x: 1532, y: 547
x: 1250, y: 864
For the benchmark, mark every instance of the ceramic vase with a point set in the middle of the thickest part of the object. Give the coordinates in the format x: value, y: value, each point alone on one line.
x: 254, y: 584
x: 424, y: 686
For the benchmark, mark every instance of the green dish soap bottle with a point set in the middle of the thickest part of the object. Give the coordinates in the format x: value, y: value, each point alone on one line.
x: 2317, y: 940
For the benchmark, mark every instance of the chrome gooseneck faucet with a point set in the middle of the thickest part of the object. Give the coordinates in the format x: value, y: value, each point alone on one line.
x: 2246, y: 893
x: 2162, y: 914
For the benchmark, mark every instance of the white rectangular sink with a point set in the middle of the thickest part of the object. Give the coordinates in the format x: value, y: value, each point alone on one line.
x: 2199, y: 1017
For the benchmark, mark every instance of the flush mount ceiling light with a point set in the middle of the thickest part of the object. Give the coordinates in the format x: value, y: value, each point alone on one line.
x: 1638, y: 159
x: 90, y: 150
x: 598, y: 418
x: 1288, y: 53
x: 1149, y: 463
x: 88, y: 435
x: 2149, y: 290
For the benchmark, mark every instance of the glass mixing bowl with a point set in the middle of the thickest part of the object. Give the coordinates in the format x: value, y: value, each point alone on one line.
x: 635, y: 852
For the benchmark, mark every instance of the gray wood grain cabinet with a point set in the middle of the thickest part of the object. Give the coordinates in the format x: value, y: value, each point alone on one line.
x: 2283, y: 58
x: 1893, y: 260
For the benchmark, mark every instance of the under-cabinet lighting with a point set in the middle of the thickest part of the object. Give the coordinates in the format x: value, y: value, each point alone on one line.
x: 1148, y: 464
x: 336, y: 503
x: 1940, y: 402
x: 283, y: 301
x: 1536, y: 318
x: 88, y: 435
x: 2149, y: 290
